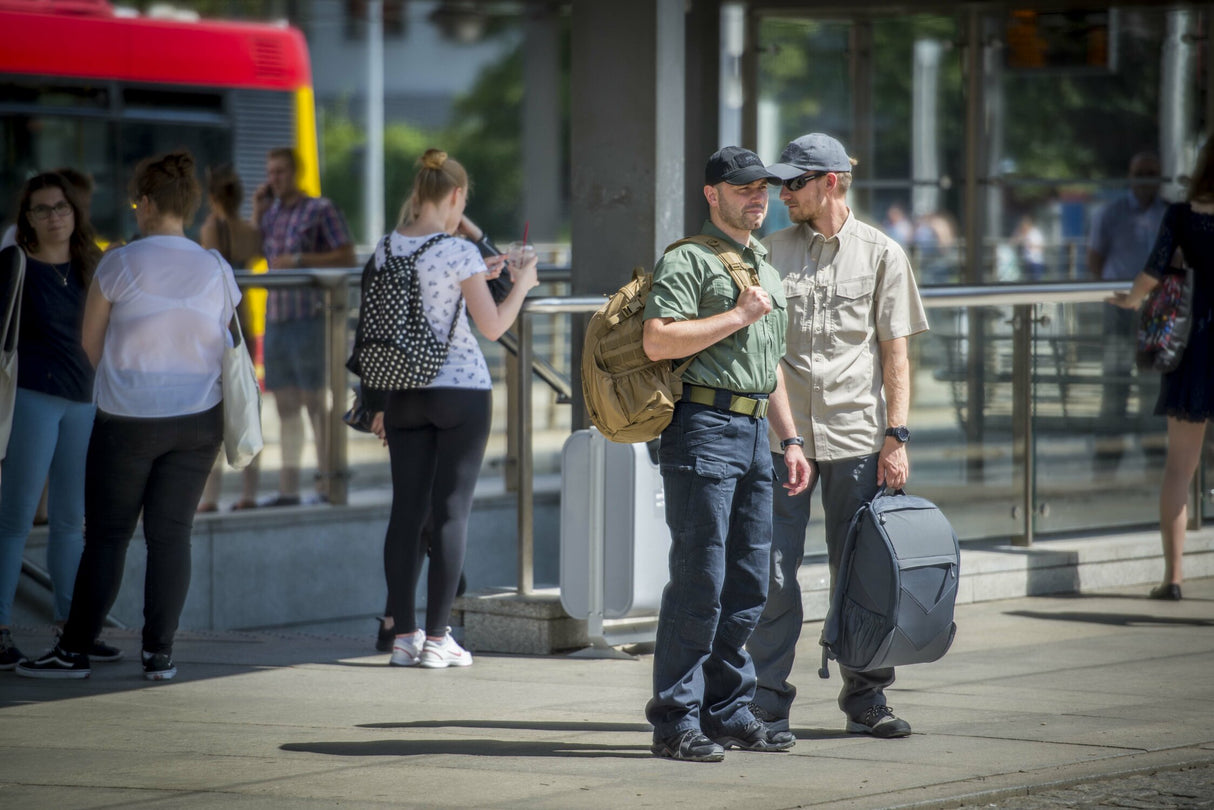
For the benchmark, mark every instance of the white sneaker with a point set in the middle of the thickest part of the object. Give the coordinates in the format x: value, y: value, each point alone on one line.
x: 445, y: 653
x: 406, y: 650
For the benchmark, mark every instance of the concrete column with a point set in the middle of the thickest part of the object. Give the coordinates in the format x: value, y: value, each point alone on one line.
x: 542, y: 150
x: 627, y: 106
x: 703, y: 131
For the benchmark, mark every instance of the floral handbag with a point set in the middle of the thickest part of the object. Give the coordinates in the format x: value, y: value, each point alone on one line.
x: 1166, y: 318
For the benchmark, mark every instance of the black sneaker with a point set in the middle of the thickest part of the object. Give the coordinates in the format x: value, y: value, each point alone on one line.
x: 57, y: 663
x: 10, y: 656
x: 158, y: 666
x: 758, y: 736
x: 770, y: 719
x: 689, y: 746
x: 879, y: 721
x: 100, y: 651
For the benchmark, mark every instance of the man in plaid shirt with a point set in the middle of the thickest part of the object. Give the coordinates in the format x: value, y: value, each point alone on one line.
x: 298, y: 231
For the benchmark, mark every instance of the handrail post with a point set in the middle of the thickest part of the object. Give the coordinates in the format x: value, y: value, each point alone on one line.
x: 1022, y: 417
x: 337, y: 315
x: 526, y: 505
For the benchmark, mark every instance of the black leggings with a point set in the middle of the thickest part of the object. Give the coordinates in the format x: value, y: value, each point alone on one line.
x: 436, y: 441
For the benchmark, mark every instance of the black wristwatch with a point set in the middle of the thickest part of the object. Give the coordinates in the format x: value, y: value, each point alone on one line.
x: 786, y: 443
x: 901, y: 433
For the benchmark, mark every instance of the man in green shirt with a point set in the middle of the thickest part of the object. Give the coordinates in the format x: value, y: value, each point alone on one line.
x: 717, y: 470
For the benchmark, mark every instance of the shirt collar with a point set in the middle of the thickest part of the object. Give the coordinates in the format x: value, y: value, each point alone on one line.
x: 847, y: 227
x: 754, y: 245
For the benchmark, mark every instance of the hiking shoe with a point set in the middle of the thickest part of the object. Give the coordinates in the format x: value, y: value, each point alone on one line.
x: 158, y: 666
x: 758, y: 736
x: 879, y: 721
x: 56, y: 663
x: 10, y: 656
x: 1169, y: 592
x: 442, y: 654
x: 688, y: 746
x: 770, y: 719
x: 407, y: 650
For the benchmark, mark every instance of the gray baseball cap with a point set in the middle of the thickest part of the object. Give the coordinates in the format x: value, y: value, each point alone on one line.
x: 814, y: 152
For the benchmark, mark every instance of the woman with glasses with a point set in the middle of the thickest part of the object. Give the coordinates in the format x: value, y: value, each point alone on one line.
x: 53, y: 410
x: 155, y: 328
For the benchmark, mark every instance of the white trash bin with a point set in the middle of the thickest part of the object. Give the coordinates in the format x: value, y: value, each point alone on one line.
x: 615, y: 544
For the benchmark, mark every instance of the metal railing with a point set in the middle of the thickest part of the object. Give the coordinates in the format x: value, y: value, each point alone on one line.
x: 1023, y: 299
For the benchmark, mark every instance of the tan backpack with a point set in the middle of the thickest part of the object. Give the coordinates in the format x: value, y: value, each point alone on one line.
x: 629, y: 397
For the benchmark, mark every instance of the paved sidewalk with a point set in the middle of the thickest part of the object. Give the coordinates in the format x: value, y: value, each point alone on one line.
x: 1038, y: 694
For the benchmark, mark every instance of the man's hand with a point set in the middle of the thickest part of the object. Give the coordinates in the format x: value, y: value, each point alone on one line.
x: 799, y: 471
x: 893, y: 465
x: 753, y: 304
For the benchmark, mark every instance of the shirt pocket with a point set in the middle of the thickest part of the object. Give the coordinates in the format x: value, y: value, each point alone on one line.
x: 851, y: 309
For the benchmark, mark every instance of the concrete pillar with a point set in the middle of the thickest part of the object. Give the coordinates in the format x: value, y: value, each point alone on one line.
x: 703, y: 122
x: 542, y: 151
x: 627, y: 109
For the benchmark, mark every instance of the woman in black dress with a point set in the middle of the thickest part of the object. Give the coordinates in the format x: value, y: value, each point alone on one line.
x: 1187, y: 394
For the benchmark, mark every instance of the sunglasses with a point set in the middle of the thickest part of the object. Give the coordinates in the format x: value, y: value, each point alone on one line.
x: 798, y: 183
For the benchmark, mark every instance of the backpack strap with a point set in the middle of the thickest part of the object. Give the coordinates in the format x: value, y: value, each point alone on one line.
x: 742, y: 274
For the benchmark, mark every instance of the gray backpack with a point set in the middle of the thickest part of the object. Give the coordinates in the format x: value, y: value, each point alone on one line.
x: 895, y: 588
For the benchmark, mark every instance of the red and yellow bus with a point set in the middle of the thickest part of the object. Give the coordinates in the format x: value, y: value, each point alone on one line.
x: 87, y: 86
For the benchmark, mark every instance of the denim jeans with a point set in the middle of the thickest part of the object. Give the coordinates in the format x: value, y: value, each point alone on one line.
x: 845, y: 485
x: 50, y: 437
x: 716, y: 469
x: 159, y: 467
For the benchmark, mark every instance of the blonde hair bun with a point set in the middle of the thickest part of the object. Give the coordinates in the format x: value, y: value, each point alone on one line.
x: 434, y: 159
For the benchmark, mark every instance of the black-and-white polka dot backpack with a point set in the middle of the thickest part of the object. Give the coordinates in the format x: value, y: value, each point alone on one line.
x: 394, y: 346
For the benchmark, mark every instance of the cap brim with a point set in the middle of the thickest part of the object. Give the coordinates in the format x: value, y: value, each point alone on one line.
x: 786, y: 171
x: 747, y: 174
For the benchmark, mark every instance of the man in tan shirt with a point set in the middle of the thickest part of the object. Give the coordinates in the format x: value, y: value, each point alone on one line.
x: 852, y: 305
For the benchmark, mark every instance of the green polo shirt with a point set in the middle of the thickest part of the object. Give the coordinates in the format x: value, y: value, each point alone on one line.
x: 690, y: 283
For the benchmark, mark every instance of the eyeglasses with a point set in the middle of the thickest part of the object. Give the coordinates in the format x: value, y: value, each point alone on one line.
x: 43, y: 212
x: 798, y: 183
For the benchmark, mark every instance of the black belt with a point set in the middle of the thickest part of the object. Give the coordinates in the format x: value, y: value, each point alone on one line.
x: 746, y: 404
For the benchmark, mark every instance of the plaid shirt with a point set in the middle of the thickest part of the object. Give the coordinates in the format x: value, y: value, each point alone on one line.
x: 311, y: 225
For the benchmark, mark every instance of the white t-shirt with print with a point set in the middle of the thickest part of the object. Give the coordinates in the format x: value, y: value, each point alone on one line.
x: 440, y: 270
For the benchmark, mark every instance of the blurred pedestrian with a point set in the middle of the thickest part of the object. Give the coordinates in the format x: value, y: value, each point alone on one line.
x: 155, y: 328
x: 437, y: 434
x: 298, y: 231
x: 1187, y: 395
x: 239, y: 243
x: 53, y: 410
x: 1119, y: 243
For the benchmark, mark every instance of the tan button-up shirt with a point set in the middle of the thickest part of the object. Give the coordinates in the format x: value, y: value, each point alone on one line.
x: 845, y: 295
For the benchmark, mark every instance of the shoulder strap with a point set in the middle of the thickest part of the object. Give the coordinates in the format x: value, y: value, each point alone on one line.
x: 10, y: 295
x: 742, y: 274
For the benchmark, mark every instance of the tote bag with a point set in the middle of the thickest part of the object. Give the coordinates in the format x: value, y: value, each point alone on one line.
x: 12, y: 279
x: 241, y: 395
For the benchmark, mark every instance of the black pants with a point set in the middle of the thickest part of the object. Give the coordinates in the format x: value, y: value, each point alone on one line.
x: 436, y: 441
x: 158, y: 466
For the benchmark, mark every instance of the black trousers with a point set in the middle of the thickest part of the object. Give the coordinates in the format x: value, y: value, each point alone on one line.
x: 159, y: 467
x: 436, y: 442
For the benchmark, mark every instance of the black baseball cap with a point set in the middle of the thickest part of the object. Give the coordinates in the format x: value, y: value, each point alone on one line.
x: 814, y: 152
x: 736, y: 166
